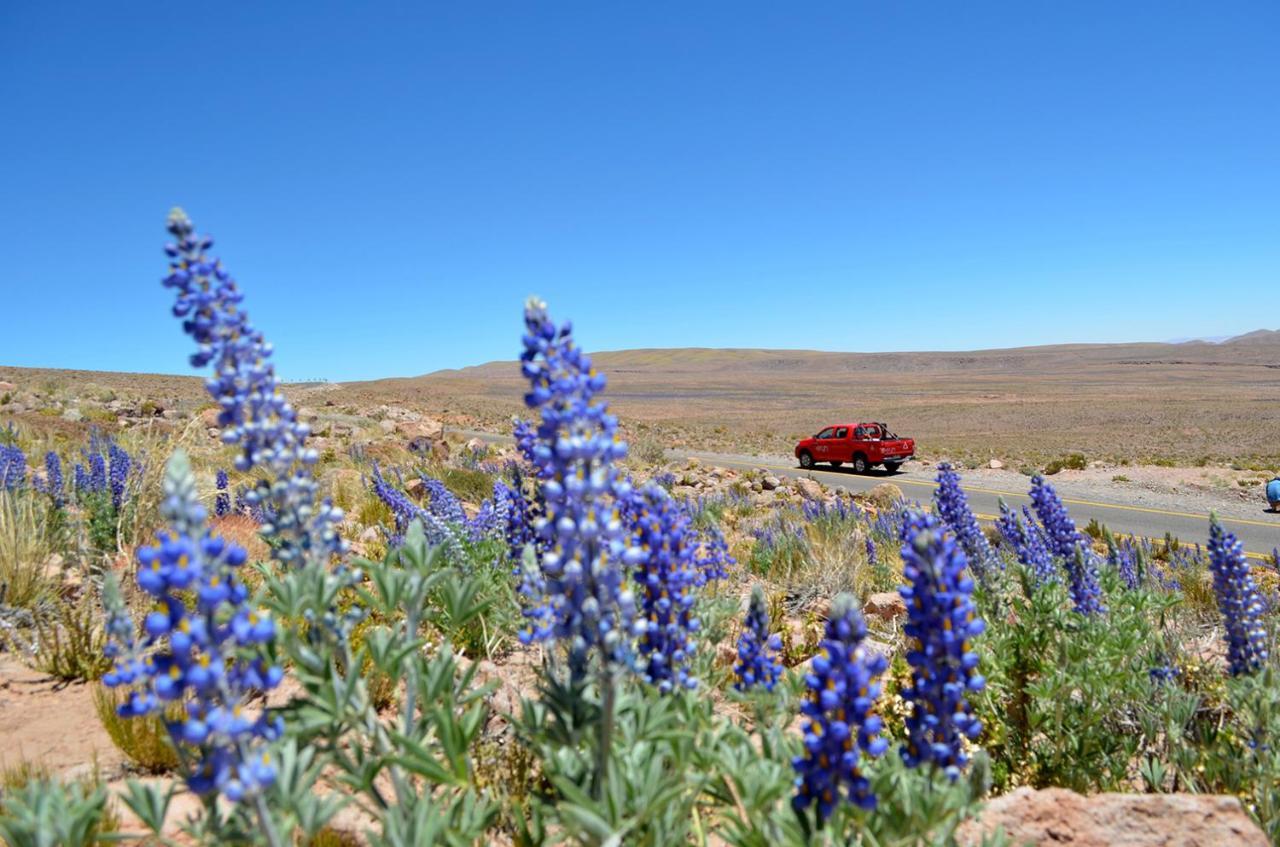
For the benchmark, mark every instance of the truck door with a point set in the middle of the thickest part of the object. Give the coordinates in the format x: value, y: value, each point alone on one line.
x: 823, y: 445
x: 842, y: 446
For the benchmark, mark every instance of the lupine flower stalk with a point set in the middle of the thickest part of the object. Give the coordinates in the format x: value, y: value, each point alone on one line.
x: 758, y: 650
x: 585, y: 549
x: 1238, y: 600
x: 254, y: 415
x: 52, y: 482
x: 1028, y: 544
x: 941, y: 625
x: 840, y: 723
x: 712, y: 557
x: 1066, y: 542
x: 222, y: 499
x: 199, y: 648
x: 665, y: 579
x: 953, y: 507
x: 13, y: 467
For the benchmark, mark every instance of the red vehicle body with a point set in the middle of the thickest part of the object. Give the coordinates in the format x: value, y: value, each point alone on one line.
x: 861, y: 445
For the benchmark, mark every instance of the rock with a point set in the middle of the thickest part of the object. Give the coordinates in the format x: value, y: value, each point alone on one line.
x: 7, y: 386
x: 770, y: 482
x: 73, y: 415
x: 424, y: 428
x: 388, y: 426
x: 416, y: 488
x: 810, y: 488
x: 884, y: 495
x: 1054, y: 816
x: 885, y: 605
x: 171, y: 414
x: 995, y: 464
x: 475, y: 445
x: 426, y: 447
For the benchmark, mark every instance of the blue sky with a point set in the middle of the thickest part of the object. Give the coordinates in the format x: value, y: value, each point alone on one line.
x: 388, y: 182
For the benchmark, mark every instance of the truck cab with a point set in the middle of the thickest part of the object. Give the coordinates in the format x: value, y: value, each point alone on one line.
x: 862, y: 445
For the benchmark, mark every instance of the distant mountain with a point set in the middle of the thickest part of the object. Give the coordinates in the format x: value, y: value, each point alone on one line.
x: 1258, y: 336
x: 1263, y: 336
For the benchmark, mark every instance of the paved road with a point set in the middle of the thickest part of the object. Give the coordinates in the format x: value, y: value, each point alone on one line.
x: 1259, y: 536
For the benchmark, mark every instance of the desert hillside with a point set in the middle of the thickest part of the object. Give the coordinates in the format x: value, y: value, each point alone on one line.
x: 1142, y: 402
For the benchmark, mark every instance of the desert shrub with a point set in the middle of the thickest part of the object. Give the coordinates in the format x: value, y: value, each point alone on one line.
x: 1072, y: 461
x: 144, y: 741
x: 26, y: 546
x: 70, y: 644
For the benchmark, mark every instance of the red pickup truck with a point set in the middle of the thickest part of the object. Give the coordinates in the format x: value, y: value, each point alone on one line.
x: 862, y: 445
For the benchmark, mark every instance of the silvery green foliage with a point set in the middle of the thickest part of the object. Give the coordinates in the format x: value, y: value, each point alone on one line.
x: 423, y: 750
x: 48, y: 813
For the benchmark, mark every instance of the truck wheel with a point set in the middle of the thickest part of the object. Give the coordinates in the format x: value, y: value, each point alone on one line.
x: 836, y: 464
x: 892, y: 467
x: 860, y: 464
x: 806, y: 460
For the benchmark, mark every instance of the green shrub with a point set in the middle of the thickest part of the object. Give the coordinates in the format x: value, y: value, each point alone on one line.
x: 71, y: 645
x: 25, y: 547
x: 144, y: 740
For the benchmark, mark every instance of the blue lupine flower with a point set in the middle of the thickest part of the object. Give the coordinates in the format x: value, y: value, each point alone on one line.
x: 712, y: 555
x: 254, y: 414
x: 119, y: 463
x: 52, y: 484
x: 584, y: 545
x: 758, y: 650
x: 221, y: 500
x: 1066, y: 542
x: 1121, y: 558
x: 941, y: 623
x: 1007, y: 523
x: 1028, y: 542
x: 526, y: 437
x: 953, y: 507
x: 840, y: 724
x: 871, y: 552
x: 1238, y: 600
x: 13, y: 467
x: 195, y: 647
x: 665, y: 578
x: 404, y: 511
x: 1163, y: 673
x: 517, y: 520
x: 97, y: 472
x: 442, y: 502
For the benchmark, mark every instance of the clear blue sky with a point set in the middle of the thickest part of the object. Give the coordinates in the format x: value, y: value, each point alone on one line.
x: 388, y: 182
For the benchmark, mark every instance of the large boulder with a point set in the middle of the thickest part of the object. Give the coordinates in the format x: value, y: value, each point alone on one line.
x: 810, y: 488
x: 424, y: 428
x: 884, y: 495
x: 1056, y: 816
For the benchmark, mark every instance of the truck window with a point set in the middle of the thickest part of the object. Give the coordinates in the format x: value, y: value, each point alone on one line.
x: 842, y: 432
x: 826, y: 433
x: 873, y: 432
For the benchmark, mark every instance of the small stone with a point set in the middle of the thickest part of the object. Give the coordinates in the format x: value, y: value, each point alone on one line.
x: 885, y: 605
x: 73, y: 415
x: 995, y: 464
x: 388, y: 426
x: 770, y: 482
